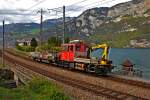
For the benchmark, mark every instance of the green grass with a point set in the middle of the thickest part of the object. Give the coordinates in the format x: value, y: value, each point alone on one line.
x: 35, y: 31
x: 1, y: 65
x: 32, y: 33
x: 20, y: 52
x: 117, y: 40
x: 38, y: 89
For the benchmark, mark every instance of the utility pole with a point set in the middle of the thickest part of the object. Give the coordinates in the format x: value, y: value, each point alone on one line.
x: 64, y: 24
x: 41, y: 26
x: 3, y: 43
x: 56, y: 29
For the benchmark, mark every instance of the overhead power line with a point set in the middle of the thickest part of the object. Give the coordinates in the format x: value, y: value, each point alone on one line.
x: 59, y: 13
x: 37, y: 4
x: 104, y: 2
x: 81, y: 8
x: 55, y: 11
x: 78, y: 2
x: 86, y: 6
x: 91, y: 7
x: 59, y: 9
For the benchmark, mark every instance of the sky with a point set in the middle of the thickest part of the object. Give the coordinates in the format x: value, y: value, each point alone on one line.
x: 15, y: 11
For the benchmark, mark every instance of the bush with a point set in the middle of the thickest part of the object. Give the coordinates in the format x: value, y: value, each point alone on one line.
x: 25, y: 48
x: 37, y: 89
x: 48, y: 47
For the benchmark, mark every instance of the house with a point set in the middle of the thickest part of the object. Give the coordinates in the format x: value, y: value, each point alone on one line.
x: 24, y: 42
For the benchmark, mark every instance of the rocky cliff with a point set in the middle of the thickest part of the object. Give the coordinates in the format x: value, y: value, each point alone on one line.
x: 93, y: 18
x: 118, y: 25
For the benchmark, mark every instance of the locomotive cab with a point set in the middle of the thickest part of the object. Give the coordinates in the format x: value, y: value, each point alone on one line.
x: 68, y: 52
x: 73, y: 50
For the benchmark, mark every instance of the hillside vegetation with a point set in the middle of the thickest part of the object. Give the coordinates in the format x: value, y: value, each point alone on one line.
x: 36, y: 90
x: 119, y: 34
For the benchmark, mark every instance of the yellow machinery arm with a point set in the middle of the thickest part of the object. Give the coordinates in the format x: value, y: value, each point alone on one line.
x: 104, y: 58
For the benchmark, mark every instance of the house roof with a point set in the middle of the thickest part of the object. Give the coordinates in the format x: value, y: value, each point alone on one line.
x: 127, y: 63
x: 24, y: 40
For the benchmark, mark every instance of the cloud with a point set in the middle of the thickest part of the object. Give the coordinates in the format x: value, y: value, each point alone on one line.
x: 10, y: 1
x: 18, y: 15
x: 36, y: 0
x: 73, y: 8
x: 16, y: 10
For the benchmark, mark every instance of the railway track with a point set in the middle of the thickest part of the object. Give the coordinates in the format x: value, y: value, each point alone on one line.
x: 113, y: 78
x: 96, y: 90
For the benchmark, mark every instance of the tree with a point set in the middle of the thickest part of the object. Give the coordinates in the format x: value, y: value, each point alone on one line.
x: 54, y: 41
x: 67, y: 40
x: 34, y: 43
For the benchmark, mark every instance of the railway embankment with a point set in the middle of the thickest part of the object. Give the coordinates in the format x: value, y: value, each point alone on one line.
x: 37, y: 89
x: 106, y: 82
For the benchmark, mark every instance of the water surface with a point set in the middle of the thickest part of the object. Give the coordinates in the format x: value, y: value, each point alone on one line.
x: 140, y: 57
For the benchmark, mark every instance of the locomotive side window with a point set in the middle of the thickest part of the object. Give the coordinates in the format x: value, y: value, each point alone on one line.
x: 71, y: 48
x: 65, y: 48
x: 77, y: 48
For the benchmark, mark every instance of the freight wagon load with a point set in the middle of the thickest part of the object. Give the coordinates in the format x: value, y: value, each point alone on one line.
x: 34, y: 55
x: 42, y: 56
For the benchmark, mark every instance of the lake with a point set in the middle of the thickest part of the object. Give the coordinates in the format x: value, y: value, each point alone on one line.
x: 139, y: 57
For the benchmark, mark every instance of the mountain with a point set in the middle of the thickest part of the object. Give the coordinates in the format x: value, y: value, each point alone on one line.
x: 25, y: 27
x: 118, y: 25
x: 20, y: 27
x: 122, y: 25
x: 15, y: 31
x: 94, y: 18
x: 29, y: 27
